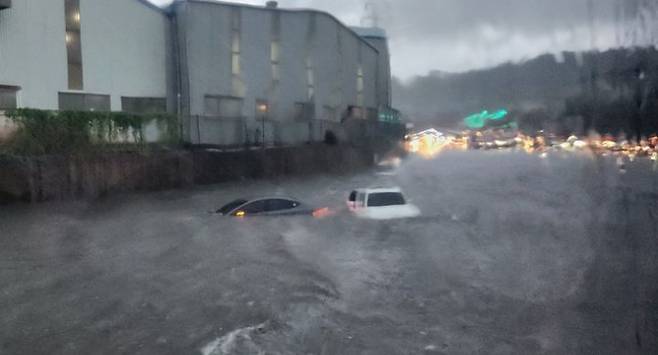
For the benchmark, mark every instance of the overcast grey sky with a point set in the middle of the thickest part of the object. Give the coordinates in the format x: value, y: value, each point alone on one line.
x: 460, y: 35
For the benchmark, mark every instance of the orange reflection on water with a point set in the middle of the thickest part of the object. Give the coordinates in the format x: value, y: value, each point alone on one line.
x: 430, y: 146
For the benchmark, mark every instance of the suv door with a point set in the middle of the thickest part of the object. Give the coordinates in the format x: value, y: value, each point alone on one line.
x: 361, y: 200
x: 351, y: 200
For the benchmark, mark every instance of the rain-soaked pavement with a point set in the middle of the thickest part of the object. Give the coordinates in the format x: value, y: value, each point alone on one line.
x: 514, y: 255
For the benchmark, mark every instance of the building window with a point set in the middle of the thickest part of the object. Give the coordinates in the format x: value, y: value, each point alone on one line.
x: 143, y: 104
x: 276, y: 72
x: 211, y: 105
x: 275, y: 46
x: 235, y: 64
x: 338, y: 80
x: 359, y: 86
x: 235, y: 54
x: 274, y: 52
x: 310, y: 43
x: 73, y: 44
x: 310, y: 79
x: 8, y: 96
x: 236, y: 70
x: 372, y: 114
x: 304, y: 111
x: 84, y: 102
x: 223, y: 106
x: 236, y: 18
x: 274, y: 58
x: 230, y: 107
x: 235, y: 42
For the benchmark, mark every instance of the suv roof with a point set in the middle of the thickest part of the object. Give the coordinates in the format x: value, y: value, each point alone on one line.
x: 374, y: 190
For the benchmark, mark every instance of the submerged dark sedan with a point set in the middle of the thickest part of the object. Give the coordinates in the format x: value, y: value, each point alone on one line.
x: 271, y: 206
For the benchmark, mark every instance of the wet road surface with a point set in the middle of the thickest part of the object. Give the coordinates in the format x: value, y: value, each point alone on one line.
x: 513, y: 255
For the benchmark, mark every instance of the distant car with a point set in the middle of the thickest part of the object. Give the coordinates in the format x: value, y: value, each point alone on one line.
x: 433, y: 136
x: 272, y: 206
x: 388, y: 167
x: 381, y: 204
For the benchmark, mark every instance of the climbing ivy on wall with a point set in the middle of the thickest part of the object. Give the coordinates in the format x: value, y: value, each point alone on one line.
x: 55, y: 132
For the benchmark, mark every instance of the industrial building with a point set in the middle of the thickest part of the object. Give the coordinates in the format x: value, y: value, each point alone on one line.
x: 232, y: 73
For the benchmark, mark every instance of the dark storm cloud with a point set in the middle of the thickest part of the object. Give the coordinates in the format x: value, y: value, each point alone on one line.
x: 446, y: 19
x: 458, y: 35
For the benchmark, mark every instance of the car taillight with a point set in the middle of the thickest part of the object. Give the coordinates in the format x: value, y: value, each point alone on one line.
x: 321, y: 212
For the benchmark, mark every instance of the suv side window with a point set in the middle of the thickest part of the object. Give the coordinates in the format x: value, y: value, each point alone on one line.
x: 274, y: 205
x: 383, y: 199
x: 255, y: 207
x: 352, y: 197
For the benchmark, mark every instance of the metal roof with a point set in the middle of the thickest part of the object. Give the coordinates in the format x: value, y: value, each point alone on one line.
x: 264, y: 8
x: 371, y: 32
x: 377, y: 189
x: 153, y: 6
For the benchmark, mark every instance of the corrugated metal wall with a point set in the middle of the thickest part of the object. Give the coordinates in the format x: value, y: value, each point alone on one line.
x: 33, y: 51
x: 335, y: 54
x: 127, y: 50
x: 124, y: 50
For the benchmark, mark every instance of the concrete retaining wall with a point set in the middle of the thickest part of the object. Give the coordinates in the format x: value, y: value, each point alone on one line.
x: 50, y: 178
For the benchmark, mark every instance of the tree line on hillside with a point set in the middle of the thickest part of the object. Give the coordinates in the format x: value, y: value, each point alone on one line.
x: 612, y: 92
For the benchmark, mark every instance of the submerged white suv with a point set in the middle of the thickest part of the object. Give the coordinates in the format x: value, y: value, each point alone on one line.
x: 381, y: 204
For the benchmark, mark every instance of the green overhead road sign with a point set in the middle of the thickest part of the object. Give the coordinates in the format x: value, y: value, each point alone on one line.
x: 480, y: 120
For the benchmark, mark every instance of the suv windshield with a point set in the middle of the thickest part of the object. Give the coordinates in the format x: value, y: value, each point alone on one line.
x: 385, y: 199
x: 231, y: 206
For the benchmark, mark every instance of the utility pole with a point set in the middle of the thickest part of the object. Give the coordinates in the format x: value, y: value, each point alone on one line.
x: 640, y: 18
x: 593, y: 75
x: 622, y: 28
x: 592, y: 23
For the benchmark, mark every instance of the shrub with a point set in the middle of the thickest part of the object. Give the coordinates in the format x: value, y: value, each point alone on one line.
x: 76, y: 132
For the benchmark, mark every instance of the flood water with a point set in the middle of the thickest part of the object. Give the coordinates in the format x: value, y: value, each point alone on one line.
x: 513, y: 254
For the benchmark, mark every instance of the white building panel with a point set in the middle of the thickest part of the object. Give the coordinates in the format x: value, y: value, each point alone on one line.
x: 124, y: 49
x: 33, y: 51
x: 213, y: 70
